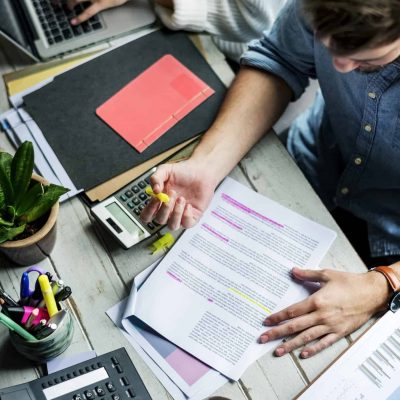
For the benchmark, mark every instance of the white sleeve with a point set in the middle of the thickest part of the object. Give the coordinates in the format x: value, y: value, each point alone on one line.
x: 233, y: 20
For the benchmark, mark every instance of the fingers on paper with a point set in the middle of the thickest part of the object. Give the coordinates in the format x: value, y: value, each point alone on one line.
x: 302, y: 339
x: 289, y: 328
x: 294, y: 311
x: 311, y: 275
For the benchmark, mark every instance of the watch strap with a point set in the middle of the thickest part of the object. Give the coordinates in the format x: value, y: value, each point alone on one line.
x: 391, y: 276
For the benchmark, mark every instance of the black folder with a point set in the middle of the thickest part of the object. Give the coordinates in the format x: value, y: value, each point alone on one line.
x: 89, y: 150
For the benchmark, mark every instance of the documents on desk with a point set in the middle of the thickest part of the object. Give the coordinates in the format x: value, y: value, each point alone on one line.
x: 225, y: 275
x: 212, y: 291
x: 368, y: 370
x: 184, y: 376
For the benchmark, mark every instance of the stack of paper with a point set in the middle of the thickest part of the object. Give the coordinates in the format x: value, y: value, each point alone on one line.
x: 212, y: 291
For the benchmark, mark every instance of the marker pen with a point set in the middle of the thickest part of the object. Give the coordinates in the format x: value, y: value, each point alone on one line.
x: 63, y: 294
x: 22, y: 314
x: 32, y: 318
x: 7, y: 298
x: 56, y: 286
x: 48, y: 295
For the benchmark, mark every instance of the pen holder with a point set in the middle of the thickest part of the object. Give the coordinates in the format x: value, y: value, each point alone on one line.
x: 49, y: 347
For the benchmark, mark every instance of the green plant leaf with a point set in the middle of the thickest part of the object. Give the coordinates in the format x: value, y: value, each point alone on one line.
x: 7, y: 192
x: 8, y: 233
x: 21, y: 170
x: 31, y: 197
x: 2, y: 198
x: 5, y: 223
x: 45, y: 202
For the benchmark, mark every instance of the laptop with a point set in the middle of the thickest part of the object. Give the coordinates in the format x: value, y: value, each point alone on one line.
x: 41, y: 28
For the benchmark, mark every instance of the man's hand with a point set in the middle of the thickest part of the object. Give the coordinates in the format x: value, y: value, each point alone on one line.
x: 190, y: 191
x: 344, y: 302
x: 96, y: 7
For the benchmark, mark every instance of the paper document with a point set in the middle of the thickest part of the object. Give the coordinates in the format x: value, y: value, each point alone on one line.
x: 212, y: 291
x: 369, y: 370
x: 182, y: 375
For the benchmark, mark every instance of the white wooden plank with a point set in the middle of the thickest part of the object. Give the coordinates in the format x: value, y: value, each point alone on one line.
x: 273, y: 378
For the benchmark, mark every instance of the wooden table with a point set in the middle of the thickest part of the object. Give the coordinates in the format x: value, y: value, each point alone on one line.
x: 100, y: 272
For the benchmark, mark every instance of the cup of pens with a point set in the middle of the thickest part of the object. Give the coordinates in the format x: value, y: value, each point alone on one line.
x: 40, y: 327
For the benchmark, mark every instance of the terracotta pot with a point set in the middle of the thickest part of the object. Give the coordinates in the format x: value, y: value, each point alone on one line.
x: 37, y: 247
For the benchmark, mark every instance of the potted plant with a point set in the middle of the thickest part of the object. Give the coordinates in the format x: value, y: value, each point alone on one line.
x: 28, y: 208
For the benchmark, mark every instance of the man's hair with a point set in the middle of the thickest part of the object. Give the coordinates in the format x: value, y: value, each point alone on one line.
x: 354, y: 25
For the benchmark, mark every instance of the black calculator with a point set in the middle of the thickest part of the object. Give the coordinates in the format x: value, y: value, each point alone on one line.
x: 111, y: 376
x: 120, y: 213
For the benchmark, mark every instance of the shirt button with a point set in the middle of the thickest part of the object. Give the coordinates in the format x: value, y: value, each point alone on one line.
x: 344, y: 190
x: 368, y: 128
x: 372, y: 95
x: 358, y: 161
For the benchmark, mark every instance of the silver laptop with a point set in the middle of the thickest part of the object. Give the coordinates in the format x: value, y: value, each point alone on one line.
x: 42, y: 30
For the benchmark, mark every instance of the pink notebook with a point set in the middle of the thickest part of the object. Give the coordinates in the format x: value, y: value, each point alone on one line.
x: 153, y: 102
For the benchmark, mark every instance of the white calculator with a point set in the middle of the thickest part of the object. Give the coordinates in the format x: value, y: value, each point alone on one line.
x: 120, y: 213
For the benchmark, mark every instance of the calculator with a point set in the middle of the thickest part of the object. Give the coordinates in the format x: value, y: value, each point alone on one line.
x: 120, y: 213
x: 111, y: 376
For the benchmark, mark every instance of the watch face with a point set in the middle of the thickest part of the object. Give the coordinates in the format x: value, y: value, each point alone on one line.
x: 394, y: 304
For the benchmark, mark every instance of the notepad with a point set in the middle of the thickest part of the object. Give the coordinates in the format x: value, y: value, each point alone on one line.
x: 152, y: 103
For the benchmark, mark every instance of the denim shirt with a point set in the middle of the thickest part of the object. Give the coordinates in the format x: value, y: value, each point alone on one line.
x: 348, y: 143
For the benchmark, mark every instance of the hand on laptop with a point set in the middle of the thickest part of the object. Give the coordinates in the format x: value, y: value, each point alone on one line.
x: 93, y: 9
x: 100, y: 5
x: 190, y: 192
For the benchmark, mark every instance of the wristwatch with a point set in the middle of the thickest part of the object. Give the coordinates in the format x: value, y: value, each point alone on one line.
x: 394, y: 282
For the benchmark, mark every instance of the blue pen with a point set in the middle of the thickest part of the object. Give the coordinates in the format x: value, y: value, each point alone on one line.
x: 25, y: 293
x: 35, y: 296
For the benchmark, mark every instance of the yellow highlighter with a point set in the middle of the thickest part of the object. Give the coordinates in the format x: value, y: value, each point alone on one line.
x: 163, y: 197
x: 48, y: 295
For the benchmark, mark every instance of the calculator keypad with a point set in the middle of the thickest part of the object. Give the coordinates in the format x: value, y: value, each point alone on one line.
x: 134, y: 198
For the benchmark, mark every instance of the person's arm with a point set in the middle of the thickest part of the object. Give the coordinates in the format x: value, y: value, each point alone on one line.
x: 344, y: 302
x: 253, y: 104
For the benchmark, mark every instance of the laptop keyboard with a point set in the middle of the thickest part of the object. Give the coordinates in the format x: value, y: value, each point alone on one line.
x: 55, y: 16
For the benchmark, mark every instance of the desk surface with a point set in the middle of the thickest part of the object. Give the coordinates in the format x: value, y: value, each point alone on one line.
x: 101, y: 273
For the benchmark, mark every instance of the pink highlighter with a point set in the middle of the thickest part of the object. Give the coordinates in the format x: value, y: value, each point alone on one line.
x: 22, y: 314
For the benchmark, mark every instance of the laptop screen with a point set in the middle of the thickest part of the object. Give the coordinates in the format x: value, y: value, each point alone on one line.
x: 10, y: 22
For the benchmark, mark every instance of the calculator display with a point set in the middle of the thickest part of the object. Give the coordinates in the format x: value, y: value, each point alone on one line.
x: 116, y: 211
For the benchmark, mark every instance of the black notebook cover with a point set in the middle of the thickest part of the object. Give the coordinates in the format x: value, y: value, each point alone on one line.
x: 89, y: 150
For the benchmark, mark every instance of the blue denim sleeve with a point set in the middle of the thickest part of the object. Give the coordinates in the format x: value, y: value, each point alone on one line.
x: 286, y: 50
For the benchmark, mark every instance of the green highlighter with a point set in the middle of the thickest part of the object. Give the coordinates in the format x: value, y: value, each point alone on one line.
x: 10, y: 324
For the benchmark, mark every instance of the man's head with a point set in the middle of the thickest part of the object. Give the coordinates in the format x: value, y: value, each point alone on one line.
x: 360, y: 34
